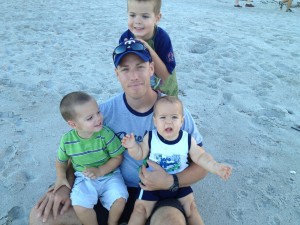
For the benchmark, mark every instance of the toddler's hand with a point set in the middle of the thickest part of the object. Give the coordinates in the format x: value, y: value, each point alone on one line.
x: 61, y: 182
x: 92, y: 172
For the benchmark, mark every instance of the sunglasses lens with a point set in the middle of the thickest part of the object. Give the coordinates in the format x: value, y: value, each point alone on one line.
x: 120, y: 49
x: 132, y: 46
x: 137, y: 47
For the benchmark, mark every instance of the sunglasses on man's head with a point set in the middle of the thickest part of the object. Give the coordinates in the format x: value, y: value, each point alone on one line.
x: 136, y: 46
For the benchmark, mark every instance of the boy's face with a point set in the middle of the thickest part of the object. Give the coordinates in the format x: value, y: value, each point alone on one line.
x: 168, y: 120
x: 134, y: 75
x: 88, y: 119
x: 142, y: 19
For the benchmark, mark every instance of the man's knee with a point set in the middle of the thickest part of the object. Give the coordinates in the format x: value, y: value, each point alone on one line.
x: 168, y: 215
x: 68, y: 218
x: 190, y: 208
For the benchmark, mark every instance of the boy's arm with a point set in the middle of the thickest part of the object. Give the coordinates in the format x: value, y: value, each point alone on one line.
x: 61, y: 175
x: 205, y: 160
x: 160, y: 68
x: 138, y: 151
x: 108, y: 167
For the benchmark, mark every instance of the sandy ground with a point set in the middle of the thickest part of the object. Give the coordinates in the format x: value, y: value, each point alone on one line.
x: 238, y: 73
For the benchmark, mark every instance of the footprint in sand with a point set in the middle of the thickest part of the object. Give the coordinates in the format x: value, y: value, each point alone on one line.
x: 15, y: 216
x: 11, y: 159
x: 12, y: 118
x: 274, y: 220
x: 236, y: 214
x: 202, y: 45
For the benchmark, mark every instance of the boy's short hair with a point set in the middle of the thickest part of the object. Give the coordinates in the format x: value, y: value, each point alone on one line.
x: 156, y: 3
x: 170, y: 99
x: 69, y: 101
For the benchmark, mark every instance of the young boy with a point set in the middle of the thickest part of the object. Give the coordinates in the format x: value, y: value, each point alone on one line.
x: 143, y: 17
x: 95, y: 153
x: 170, y: 147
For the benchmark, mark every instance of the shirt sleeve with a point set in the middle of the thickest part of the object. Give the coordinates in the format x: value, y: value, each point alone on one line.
x: 189, y: 126
x: 164, y: 49
x: 126, y: 35
x: 113, y: 143
x: 61, y: 153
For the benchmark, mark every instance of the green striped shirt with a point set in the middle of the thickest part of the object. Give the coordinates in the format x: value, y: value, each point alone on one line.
x: 92, y: 152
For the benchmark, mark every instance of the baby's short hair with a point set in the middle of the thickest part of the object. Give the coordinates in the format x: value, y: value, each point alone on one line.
x: 156, y: 3
x: 69, y: 101
x: 170, y: 99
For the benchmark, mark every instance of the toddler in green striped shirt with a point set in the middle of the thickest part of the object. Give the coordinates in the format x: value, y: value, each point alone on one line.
x: 95, y: 153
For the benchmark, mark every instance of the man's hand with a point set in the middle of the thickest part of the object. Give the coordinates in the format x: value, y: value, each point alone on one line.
x: 54, y: 201
x: 157, y: 179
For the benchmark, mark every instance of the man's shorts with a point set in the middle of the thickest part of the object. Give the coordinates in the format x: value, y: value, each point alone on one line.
x: 171, y: 202
x: 102, y: 213
x: 164, y: 194
x: 108, y: 189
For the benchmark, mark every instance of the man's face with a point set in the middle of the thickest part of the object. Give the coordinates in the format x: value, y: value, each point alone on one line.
x: 134, y: 75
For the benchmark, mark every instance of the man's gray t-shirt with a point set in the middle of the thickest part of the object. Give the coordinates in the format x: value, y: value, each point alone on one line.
x: 122, y: 119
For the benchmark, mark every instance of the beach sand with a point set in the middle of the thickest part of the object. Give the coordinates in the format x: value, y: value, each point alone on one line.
x: 238, y: 73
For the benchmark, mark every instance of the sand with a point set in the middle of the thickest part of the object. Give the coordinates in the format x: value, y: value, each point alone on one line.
x: 238, y: 73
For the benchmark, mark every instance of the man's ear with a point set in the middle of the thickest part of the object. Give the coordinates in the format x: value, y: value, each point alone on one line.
x: 117, y: 74
x: 72, y: 124
x: 152, y: 67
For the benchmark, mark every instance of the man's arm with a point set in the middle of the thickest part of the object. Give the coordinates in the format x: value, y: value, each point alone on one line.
x: 158, y: 179
x: 191, y: 175
x: 58, y: 202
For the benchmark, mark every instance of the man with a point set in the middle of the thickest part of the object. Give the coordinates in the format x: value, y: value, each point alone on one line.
x: 131, y: 111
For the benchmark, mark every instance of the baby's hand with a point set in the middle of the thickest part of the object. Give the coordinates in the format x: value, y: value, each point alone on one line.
x: 92, y: 172
x: 128, y: 141
x: 224, y: 171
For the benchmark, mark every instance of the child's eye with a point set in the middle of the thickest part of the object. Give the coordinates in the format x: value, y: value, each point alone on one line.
x: 174, y: 117
x: 89, y: 118
x: 162, y: 117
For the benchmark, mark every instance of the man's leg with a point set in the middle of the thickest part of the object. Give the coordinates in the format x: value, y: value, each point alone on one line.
x: 168, y: 215
x: 68, y: 218
x: 142, y: 211
x: 167, y: 212
x: 191, y: 211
